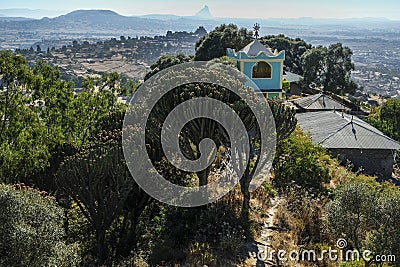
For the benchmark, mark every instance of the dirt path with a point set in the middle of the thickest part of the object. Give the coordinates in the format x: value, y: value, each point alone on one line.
x: 264, y: 241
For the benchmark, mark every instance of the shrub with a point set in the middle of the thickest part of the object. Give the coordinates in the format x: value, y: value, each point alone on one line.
x: 31, y: 232
x: 200, y: 254
x: 298, y: 160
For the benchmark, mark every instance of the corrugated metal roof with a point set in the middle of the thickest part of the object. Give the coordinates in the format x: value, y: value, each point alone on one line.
x: 292, y: 77
x: 336, y: 130
x: 255, y: 47
x: 319, y: 102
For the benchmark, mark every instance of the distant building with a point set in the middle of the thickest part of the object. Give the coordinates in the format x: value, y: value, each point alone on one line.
x: 200, y: 31
x: 318, y: 102
x: 262, y: 65
x: 294, y: 80
x: 350, y: 138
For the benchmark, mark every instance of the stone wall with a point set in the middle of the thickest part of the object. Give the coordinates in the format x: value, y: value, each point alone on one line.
x: 373, y: 161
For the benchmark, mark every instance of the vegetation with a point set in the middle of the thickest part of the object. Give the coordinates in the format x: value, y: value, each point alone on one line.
x: 300, y: 162
x: 387, y: 118
x: 294, y: 50
x: 329, y: 68
x: 215, y: 43
x: 67, y: 142
x: 31, y: 229
x: 366, y: 214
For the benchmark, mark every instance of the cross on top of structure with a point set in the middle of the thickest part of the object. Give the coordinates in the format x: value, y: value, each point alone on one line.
x: 256, y: 28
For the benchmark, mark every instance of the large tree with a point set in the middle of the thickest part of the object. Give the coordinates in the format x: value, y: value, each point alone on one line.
x: 202, y: 128
x: 215, y: 43
x: 41, y: 116
x: 338, y: 70
x: 294, y: 50
x: 313, y: 61
x: 98, y: 181
x: 23, y: 134
x: 329, y: 68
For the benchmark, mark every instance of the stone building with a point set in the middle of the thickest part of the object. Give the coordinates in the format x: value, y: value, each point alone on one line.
x: 350, y: 138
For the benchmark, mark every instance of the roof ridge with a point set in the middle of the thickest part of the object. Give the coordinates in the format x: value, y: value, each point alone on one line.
x: 332, y: 134
x: 360, y: 125
x: 314, y: 100
x: 378, y: 133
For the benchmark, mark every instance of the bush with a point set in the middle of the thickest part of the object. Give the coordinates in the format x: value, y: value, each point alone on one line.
x: 31, y: 232
x: 298, y: 160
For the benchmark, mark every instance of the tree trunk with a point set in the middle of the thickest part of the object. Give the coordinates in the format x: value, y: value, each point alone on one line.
x: 245, y: 213
x: 203, y: 176
x: 101, y: 246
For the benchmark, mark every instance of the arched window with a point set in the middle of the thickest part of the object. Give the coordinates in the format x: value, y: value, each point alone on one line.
x: 262, y: 70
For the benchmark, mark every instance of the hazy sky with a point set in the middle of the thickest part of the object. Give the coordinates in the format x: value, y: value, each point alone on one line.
x: 227, y: 8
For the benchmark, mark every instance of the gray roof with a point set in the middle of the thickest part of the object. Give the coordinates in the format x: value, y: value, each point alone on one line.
x: 292, y: 77
x: 319, y: 102
x: 255, y: 47
x: 333, y: 129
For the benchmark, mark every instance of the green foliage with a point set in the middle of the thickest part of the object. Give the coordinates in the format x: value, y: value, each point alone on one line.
x: 366, y: 214
x: 285, y: 120
x: 285, y: 85
x: 40, y: 114
x: 99, y: 182
x: 31, y: 232
x: 298, y: 160
x: 21, y: 131
x: 214, y: 44
x: 351, y: 212
x: 165, y: 62
x: 329, y: 68
x: 387, y: 118
x: 294, y: 50
x: 314, y: 65
x: 338, y: 70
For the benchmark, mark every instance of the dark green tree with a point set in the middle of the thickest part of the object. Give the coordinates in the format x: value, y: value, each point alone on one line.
x: 314, y: 67
x: 338, y: 69
x: 22, y: 132
x: 294, y: 50
x: 166, y: 62
x: 365, y: 214
x: 329, y: 68
x: 215, y: 43
x: 98, y: 180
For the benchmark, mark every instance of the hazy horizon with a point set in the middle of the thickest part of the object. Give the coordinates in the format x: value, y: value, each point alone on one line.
x: 340, y: 9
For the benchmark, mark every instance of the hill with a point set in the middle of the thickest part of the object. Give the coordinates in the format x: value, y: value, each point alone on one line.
x: 204, y: 13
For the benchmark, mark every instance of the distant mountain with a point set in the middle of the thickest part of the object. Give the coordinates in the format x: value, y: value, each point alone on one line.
x: 101, y: 21
x: 30, y: 13
x: 5, y: 18
x: 204, y: 13
x: 92, y: 17
x: 104, y: 24
x: 161, y: 16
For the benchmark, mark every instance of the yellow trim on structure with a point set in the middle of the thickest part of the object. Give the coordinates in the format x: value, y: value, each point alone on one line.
x: 256, y: 60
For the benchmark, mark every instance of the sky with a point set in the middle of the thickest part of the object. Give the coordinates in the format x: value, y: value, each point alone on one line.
x: 226, y: 8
